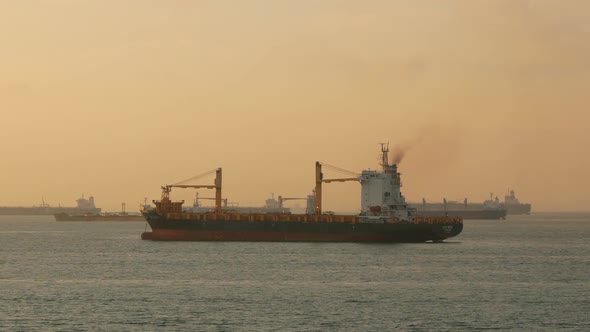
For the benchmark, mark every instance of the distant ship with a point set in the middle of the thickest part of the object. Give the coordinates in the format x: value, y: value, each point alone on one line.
x: 490, y: 209
x: 514, y: 206
x: 271, y: 205
x: 107, y: 216
x: 99, y: 217
x: 83, y: 206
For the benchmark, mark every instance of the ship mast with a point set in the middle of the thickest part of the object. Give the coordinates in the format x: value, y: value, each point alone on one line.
x: 384, y: 156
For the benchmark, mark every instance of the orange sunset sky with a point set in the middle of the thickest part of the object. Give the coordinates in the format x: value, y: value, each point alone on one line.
x: 115, y: 98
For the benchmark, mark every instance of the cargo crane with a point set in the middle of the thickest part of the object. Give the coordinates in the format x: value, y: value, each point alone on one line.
x: 182, y: 184
x: 282, y: 199
x: 319, y: 179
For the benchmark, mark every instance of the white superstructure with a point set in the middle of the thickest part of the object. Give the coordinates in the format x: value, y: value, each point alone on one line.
x: 381, y: 192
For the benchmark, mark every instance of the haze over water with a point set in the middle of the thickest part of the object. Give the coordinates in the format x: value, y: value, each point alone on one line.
x: 527, y: 273
x: 115, y: 99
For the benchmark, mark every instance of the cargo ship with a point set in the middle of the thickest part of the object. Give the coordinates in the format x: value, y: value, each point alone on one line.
x: 99, y: 217
x: 490, y: 209
x: 514, y: 206
x: 384, y: 217
x: 107, y: 216
x: 83, y: 206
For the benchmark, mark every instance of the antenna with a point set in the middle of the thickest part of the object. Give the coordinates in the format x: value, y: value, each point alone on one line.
x: 384, y: 155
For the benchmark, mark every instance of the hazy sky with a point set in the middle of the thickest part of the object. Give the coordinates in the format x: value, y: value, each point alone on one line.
x: 115, y: 98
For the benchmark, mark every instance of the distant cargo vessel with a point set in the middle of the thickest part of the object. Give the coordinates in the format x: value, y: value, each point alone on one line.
x: 84, y: 206
x: 99, y: 217
x: 271, y: 205
x: 489, y: 209
x: 384, y: 217
x: 514, y: 206
x: 107, y: 216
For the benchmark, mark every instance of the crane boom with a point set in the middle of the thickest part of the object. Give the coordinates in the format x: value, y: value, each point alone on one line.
x: 217, y: 186
x: 319, y: 179
x: 196, y: 186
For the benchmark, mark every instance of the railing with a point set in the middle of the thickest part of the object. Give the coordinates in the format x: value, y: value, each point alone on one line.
x: 263, y: 217
x: 299, y: 218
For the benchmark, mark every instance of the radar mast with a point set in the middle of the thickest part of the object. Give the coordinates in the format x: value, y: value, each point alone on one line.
x: 384, y: 155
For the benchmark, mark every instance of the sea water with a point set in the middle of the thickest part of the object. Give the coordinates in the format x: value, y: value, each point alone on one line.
x: 526, y: 273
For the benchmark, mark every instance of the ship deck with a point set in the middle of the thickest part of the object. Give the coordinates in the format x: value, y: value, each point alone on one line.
x: 328, y: 218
